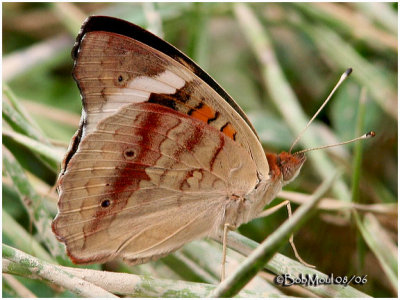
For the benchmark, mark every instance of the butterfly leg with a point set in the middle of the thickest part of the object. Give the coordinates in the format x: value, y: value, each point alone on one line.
x: 289, y: 209
x: 227, y: 227
x: 273, y: 209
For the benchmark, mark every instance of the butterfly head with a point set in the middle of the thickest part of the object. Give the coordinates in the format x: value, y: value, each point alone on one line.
x: 285, y: 165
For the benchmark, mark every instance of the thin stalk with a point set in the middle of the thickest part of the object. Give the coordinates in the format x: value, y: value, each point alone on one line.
x: 208, y: 255
x: 330, y: 204
x: 57, y: 275
x: 357, y: 154
x: 280, y: 264
x: 94, y: 283
x: 260, y: 256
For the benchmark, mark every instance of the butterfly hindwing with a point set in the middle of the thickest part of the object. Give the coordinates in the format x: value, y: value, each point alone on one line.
x: 144, y: 180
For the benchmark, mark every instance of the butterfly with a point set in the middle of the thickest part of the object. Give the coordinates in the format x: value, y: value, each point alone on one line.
x: 163, y: 155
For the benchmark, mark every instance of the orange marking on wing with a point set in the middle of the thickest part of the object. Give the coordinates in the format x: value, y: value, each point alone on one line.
x: 203, y: 113
x: 229, y: 131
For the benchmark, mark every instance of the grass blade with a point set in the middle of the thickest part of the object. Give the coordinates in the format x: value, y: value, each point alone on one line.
x: 282, y: 94
x: 380, y: 12
x: 379, y: 82
x: 22, y: 239
x: 381, y: 245
x: 20, y: 123
x: 53, y: 156
x: 93, y: 283
x: 207, y: 254
x: 70, y: 16
x: 33, y: 266
x: 258, y: 258
x: 15, y: 104
x: 350, y: 22
x: 280, y: 264
x: 34, y: 205
x: 18, y: 287
x: 358, y: 148
x: 50, y: 51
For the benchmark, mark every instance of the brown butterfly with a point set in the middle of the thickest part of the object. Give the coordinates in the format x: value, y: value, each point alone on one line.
x: 163, y: 154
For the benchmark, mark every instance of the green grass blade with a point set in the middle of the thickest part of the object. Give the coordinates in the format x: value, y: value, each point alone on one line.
x: 380, y: 12
x: 345, y: 20
x: 207, y: 255
x: 93, y: 283
x: 260, y: 256
x: 53, y: 156
x: 153, y: 19
x: 358, y: 148
x: 280, y: 264
x: 19, y: 108
x: 47, y: 53
x: 13, y: 286
x: 282, y: 94
x: 361, y: 248
x: 22, y: 239
x: 381, y: 245
x: 69, y: 15
x: 30, y: 265
x: 380, y: 83
x: 20, y: 124
x: 34, y: 205
x: 197, y: 47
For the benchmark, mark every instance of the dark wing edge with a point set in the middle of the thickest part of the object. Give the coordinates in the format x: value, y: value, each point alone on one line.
x: 118, y: 26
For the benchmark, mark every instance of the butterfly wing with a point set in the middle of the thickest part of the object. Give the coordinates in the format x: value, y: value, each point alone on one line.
x: 120, y: 27
x: 162, y: 155
x: 117, y: 63
x: 147, y: 180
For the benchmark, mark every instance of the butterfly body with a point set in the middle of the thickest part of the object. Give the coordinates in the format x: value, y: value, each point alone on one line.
x: 162, y: 156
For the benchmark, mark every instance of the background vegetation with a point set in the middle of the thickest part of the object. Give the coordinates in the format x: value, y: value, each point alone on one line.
x: 278, y: 61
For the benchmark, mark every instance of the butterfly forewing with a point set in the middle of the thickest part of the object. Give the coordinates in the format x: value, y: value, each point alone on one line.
x: 114, y: 70
x: 124, y: 28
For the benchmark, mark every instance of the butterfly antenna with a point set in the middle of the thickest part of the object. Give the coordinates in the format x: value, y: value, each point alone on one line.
x: 342, y: 78
x: 368, y: 135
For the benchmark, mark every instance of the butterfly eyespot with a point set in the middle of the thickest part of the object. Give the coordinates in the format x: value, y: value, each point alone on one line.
x: 129, y: 154
x: 105, y: 203
x: 122, y: 79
